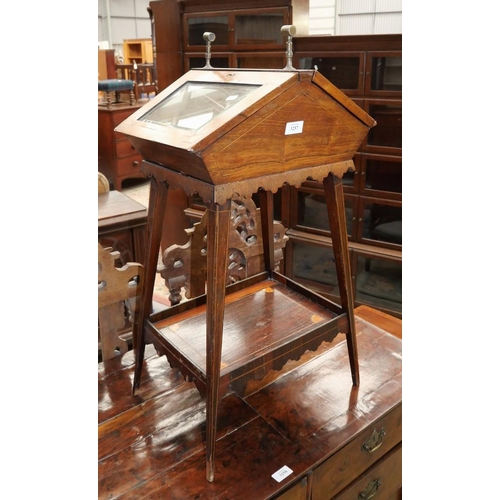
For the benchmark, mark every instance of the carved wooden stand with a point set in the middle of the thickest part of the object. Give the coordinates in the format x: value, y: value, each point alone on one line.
x: 324, y: 318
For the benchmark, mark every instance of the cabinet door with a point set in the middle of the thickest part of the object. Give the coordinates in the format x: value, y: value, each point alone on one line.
x: 255, y: 29
x: 381, y: 176
x: 384, y: 74
x: 237, y: 29
x: 194, y: 25
x: 344, y: 69
x: 310, y: 261
x: 309, y: 211
x: 380, y: 222
x: 377, y: 280
x: 387, y: 136
x: 376, y: 277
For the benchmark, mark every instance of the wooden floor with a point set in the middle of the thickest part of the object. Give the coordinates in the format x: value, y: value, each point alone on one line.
x: 151, y: 445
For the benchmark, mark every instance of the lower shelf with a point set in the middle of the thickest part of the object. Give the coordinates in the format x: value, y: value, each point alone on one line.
x: 267, y: 321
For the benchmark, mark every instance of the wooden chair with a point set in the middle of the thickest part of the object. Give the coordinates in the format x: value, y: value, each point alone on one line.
x: 142, y: 75
x: 184, y: 267
x: 118, y: 289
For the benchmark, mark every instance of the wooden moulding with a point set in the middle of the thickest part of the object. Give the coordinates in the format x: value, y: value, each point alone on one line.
x: 269, y: 320
x: 219, y: 194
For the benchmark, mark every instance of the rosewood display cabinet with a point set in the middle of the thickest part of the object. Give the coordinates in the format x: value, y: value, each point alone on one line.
x: 218, y: 133
x: 368, y: 68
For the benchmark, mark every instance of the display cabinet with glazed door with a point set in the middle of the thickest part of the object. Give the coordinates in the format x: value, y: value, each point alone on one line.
x: 247, y: 33
x: 368, y: 68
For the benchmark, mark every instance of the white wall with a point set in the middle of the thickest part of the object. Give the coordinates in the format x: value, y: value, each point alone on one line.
x: 322, y: 17
x: 120, y: 20
x: 354, y: 17
x: 368, y: 16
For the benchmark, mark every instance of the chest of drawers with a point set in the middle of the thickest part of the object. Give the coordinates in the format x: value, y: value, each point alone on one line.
x: 340, y: 443
x: 118, y: 159
x: 368, y: 465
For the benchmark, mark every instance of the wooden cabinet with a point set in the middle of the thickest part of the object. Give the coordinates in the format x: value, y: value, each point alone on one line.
x: 122, y: 226
x: 368, y: 68
x: 139, y: 50
x: 118, y: 160
x: 248, y: 33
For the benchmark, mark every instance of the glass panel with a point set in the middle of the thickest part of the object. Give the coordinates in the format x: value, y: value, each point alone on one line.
x: 384, y: 175
x: 198, y: 25
x: 383, y: 223
x: 196, y: 103
x: 379, y: 283
x: 216, y: 62
x: 262, y: 28
x: 343, y: 72
x: 388, y: 131
x: 387, y: 73
x: 314, y: 263
x: 312, y: 211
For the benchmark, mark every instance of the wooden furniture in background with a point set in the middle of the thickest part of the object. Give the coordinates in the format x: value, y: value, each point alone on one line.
x: 367, y: 68
x: 139, y: 50
x: 106, y: 64
x: 105, y: 67
x: 261, y: 126
x: 142, y: 75
x: 122, y: 226
x: 247, y: 33
x: 118, y: 289
x: 118, y: 160
x: 341, y: 442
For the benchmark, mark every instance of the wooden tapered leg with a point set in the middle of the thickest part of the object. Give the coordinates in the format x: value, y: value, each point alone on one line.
x: 336, y: 214
x: 267, y: 219
x: 217, y: 254
x: 156, y: 210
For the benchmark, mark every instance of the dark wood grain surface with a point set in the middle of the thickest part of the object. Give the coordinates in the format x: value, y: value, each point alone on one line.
x: 151, y: 445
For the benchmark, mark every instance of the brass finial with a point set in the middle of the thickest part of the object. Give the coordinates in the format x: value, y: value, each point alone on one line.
x: 209, y: 37
x: 289, y: 30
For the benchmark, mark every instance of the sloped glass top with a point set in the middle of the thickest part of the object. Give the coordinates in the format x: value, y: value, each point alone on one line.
x: 194, y: 104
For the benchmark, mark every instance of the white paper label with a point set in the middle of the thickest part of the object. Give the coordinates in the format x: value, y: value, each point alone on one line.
x: 294, y: 128
x: 279, y: 475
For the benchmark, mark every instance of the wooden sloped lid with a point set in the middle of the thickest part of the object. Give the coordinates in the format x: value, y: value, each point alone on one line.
x: 338, y: 95
x: 291, y: 120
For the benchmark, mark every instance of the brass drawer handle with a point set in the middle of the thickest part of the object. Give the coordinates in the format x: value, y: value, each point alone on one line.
x: 371, y: 490
x: 374, y: 441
